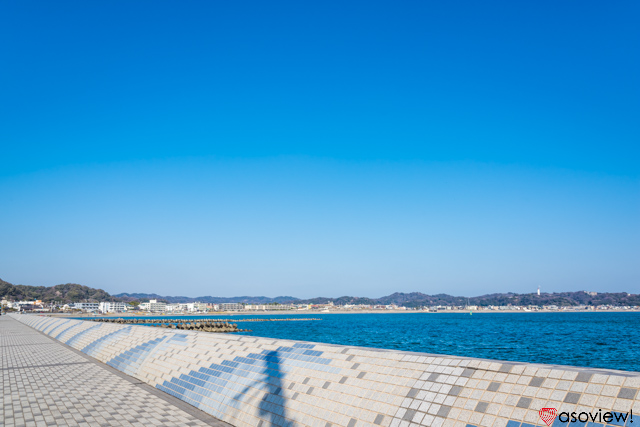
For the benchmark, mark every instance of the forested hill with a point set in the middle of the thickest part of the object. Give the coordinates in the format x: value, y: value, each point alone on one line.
x: 70, y: 292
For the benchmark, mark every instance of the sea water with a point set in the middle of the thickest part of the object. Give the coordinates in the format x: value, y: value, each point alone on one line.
x: 598, y: 340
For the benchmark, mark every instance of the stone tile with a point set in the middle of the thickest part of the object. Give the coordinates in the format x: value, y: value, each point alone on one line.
x: 455, y: 390
x: 468, y: 372
x: 572, y: 398
x: 627, y: 393
x: 481, y: 407
x: 536, y: 382
x: 494, y: 386
x: 433, y: 377
x: 524, y: 402
x: 584, y: 377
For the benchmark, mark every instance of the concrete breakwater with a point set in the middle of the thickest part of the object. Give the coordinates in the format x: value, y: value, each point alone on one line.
x: 141, y: 320
x: 202, y: 327
x: 251, y: 381
x: 289, y: 319
x: 205, y: 325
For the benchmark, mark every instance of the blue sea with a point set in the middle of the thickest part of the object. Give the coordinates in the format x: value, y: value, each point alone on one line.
x: 597, y: 340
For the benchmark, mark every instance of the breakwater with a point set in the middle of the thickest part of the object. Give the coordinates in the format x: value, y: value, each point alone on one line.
x: 141, y: 320
x: 204, y: 325
x: 250, y: 381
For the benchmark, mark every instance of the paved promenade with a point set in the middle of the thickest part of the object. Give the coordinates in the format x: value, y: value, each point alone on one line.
x: 46, y: 383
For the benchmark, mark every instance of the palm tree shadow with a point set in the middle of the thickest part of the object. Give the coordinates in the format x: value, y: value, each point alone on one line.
x: 272, y: 405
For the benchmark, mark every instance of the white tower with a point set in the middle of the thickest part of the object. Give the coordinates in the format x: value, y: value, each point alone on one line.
x: 538, y: 290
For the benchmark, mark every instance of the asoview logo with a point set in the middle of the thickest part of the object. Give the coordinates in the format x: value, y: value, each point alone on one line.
x: 549, y: 414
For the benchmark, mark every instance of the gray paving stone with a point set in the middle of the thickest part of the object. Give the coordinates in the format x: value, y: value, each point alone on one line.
x: 408, y: 416
x: 444, y: 411
x: 524, y: 402
x: 494, y: 386
x: 627, y: 393
x: 482, y: 407
x: 506, y: 367
x: 584, y: 377
x: 433, y: 377
x: 536, y: 382
x: 455, y: 390
x: 467, y: 372
x: 572, y: 398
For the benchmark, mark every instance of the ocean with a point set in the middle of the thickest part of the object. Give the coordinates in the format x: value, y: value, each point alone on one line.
x: 597, y: 340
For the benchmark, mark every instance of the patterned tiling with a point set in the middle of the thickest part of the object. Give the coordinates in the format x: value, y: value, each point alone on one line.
x: 43, y: 383
x: 249, y: 381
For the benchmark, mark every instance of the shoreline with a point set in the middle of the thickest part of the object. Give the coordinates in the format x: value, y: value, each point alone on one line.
x: 314, y: 312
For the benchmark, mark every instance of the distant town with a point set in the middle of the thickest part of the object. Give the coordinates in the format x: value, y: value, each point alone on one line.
x: 159, y: 307
x: 75, y: 298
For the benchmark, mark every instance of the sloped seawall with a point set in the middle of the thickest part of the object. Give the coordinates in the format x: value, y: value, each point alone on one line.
x: 251, y: 381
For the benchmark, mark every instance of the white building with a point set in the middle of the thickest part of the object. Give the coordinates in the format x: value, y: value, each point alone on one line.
x: 198, y: 307
x: 281, y: 307
x: 172, y: 308
x: 231, y: 306
x: 154, y: 306
x: 85, y: 306
x: 112, y: 307
x: 191, y: 307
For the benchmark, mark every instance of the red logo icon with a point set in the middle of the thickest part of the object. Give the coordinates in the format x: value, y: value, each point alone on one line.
x: 548, y: 415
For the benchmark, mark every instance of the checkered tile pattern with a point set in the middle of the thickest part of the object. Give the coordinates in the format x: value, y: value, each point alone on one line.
x: 249, y: 381
x: 43, y: 383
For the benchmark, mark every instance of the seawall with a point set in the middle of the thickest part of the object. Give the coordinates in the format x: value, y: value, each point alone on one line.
x: 251, y: 381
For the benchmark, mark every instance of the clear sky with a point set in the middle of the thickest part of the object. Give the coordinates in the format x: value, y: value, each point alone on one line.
x: 321, y: 149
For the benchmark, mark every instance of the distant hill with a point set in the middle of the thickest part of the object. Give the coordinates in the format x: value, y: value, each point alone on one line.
x: 418, y: 299
x: 69, y: 292
x: 207, y: 299
x: 72, y: 292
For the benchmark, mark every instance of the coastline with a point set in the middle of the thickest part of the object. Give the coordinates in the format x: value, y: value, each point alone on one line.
x: 315, y: 312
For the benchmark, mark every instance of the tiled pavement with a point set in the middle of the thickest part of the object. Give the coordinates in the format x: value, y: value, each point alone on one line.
x: 45, y: 383
x: 259, y: 382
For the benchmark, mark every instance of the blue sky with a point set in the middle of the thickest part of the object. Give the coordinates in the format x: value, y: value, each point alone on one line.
x: 321, y: 149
